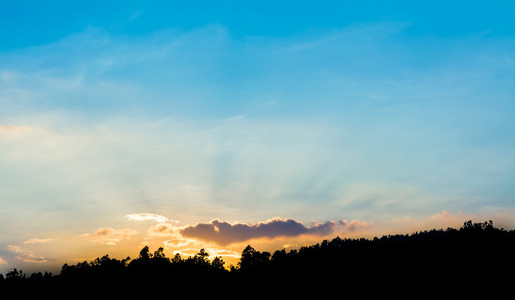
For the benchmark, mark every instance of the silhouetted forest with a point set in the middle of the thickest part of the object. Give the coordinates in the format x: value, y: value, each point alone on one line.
x: 477, y: 258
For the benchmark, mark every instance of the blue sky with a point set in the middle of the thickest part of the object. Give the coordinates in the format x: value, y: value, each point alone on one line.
x: 125, y: 123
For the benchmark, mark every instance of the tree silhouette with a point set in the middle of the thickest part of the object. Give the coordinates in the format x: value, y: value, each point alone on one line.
x: 200, y: 259
x: 250, y: 258
x: 218, y: 264
x: 14, y: 274
x: 475, y: 258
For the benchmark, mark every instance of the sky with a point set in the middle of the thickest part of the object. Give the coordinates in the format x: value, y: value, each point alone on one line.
x: 218, y: 124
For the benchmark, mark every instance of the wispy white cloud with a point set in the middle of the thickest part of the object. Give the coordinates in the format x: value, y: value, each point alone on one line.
x: 3, y: 261
x: 15, y: 248
x: 26, y: 255
x: 357, y: 35
x: 31, y: 257
x: 355, y: 225
x: 213, y: 252
x: 162, y: 229
x: 177, y: 243
x: 10, y: 128
x: 36, y: 240
x: 110, y: 236
x: 147, y: 217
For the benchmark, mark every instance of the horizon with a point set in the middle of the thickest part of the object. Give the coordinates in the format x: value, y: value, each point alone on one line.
x: 231, y: 261
x: 216, y: 125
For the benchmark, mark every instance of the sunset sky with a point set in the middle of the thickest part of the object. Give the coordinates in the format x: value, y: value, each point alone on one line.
x: 218, y: 124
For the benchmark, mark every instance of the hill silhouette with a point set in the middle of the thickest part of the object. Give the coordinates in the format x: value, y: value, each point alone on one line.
x: 477, y: 259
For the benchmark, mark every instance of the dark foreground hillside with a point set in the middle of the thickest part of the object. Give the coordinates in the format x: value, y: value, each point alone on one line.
x: 476, y: 260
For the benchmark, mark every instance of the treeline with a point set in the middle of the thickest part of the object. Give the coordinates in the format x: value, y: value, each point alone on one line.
x: 478, y: 256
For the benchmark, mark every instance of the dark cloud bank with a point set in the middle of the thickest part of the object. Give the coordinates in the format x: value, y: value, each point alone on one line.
x: 224, y: 233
